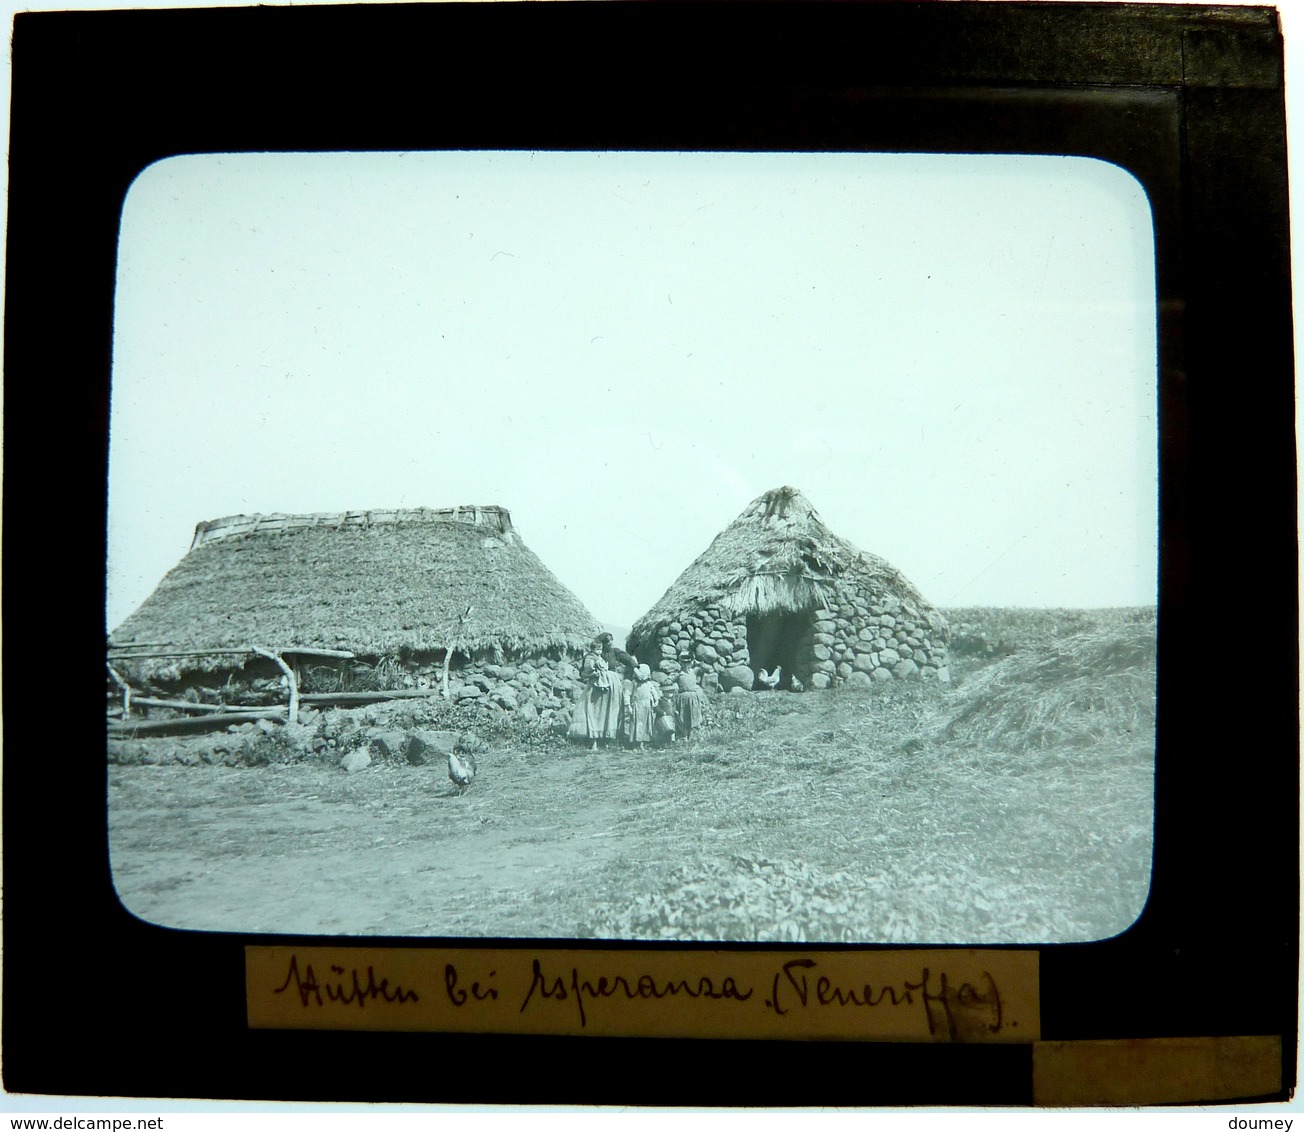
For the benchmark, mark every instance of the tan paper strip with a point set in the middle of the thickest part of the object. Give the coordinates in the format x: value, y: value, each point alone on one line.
x: 923, y: 996
x: 1142, y: 1071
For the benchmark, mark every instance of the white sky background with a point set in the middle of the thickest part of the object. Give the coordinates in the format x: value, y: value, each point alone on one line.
x: 953, y: 357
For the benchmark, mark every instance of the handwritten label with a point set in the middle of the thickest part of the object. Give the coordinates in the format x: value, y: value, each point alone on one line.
x: 939, y: 996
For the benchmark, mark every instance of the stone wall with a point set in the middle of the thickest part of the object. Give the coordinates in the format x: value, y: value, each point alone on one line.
x: 533, y: 687
x: 859, y: 643
x: 536, y: 687
x: 854, y: 642
x: 709, y: 639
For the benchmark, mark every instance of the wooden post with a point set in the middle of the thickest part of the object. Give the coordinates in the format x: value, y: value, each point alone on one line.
x: 448, y: 657
x: 293, y: 714
x: 126, y: 690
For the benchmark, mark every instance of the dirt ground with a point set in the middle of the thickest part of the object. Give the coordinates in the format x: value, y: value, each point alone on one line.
x: 390, y: 850
x: 797, y: 818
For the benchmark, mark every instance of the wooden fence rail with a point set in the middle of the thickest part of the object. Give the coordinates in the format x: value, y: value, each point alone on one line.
x: 214, y: 714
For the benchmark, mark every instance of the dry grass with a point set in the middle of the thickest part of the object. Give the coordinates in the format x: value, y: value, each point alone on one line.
x: 1015, y: 807
x: 1076, y: 692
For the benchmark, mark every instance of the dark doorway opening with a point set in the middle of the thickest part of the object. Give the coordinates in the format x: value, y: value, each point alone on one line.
x: 774, y: 640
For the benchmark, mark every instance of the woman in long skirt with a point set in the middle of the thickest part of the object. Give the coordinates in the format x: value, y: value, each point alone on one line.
x: 595, y: 698
x: 690, y: 705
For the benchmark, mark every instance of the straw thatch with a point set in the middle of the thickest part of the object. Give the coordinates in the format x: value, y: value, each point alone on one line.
x: 372, y: 583
x: 777, y: 554
x: 778, y: 558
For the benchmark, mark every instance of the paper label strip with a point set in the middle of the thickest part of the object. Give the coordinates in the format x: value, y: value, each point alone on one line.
x: 919, y: 996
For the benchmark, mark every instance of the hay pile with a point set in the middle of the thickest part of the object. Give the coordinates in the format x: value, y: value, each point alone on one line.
x: 1074, y: 692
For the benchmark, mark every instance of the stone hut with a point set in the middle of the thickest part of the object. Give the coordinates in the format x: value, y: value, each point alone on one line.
x: 419, y: 598
x: 778, y: 589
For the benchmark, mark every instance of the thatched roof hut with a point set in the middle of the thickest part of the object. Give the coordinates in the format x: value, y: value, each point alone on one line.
x: 777, y: 588
x: 374, y: 583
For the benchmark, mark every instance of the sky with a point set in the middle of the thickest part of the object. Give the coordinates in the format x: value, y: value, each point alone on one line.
x: 953, y: 357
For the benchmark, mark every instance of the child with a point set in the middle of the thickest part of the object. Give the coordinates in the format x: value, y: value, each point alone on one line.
x: 664, y: 727
x: 642, y: 701
x: 690, y: 705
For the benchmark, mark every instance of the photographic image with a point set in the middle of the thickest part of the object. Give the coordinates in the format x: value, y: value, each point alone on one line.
x: 685, y: 547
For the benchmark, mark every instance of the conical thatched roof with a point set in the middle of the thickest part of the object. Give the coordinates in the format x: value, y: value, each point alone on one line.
x: 777, y: 555
x: 372, y: 583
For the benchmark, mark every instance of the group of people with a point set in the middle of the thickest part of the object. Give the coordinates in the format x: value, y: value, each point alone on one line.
x: 618, y: 699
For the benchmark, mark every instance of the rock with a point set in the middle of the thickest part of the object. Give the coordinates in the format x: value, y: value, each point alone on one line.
x: 906, y: 651
x: 737, y: 676
x: 121, y: 753
x: 355, y: 760
x: 822, y: 652
x: 707, y: 653
x: 887, y: 620
x: 415, y: 750
x: 738, y: 691
x: 506, y: 698
x: 467, y: 692
x: 888, y: 657
x: 386, y: 745
x: 882, y: 674
x: 867, y: 634
x: 820, y: 680
x: 904, y: 669
x: 528, y: 713
x: 944, y: 675
x: 824, y: 666
x: 865, y: 662
x: 437, y: 742
x: 845, y: 670
x: 860, y: 680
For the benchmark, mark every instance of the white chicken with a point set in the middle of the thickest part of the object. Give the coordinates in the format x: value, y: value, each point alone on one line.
x: 770, y: 679
x: 461, y: 770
